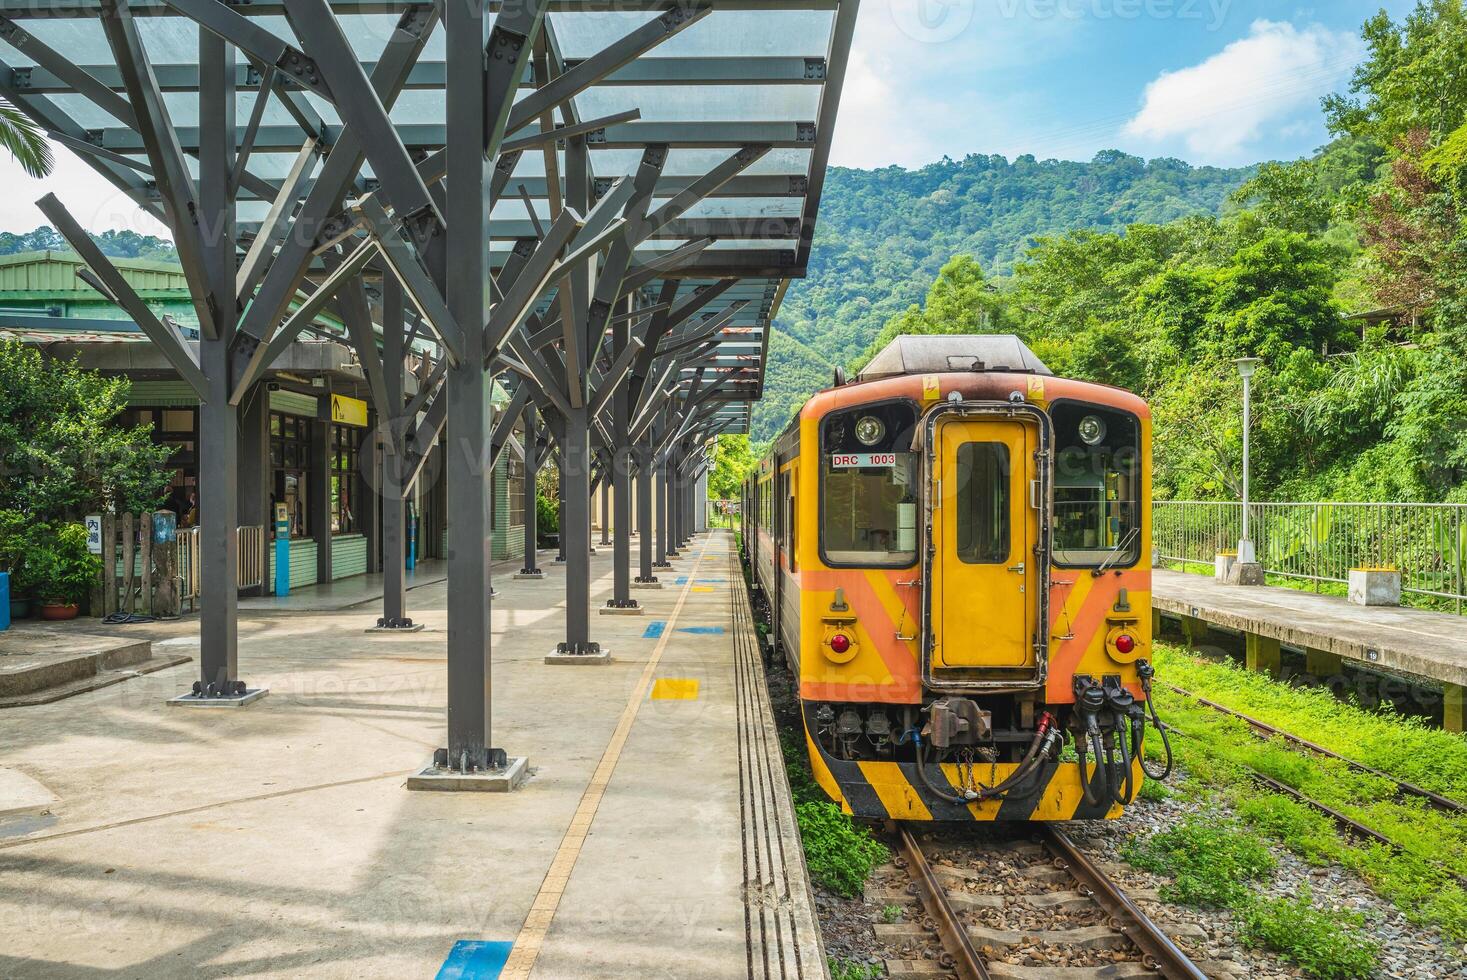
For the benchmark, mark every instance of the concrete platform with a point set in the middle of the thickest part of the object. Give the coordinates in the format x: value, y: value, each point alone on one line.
x: 40, y: 664
x: 651, y: 838
x: 1414, y: 641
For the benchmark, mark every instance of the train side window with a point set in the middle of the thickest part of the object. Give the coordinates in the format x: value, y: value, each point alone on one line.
x: 983, y: 503
x: 790, y: 523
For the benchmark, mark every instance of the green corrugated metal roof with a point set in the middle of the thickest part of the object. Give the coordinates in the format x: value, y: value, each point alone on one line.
x: 56, y: 272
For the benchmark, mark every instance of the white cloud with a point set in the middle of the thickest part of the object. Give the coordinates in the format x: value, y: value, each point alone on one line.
x: 1246, y: 91
x: 91, y: 199
x: 914, y: 90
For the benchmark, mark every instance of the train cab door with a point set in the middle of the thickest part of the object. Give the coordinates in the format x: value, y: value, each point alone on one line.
x: 985, y: 556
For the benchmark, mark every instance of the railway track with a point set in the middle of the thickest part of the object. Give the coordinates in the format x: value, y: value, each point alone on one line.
x: 1054, y: 907
x: 1343, y: 822
x: 1264, y: 730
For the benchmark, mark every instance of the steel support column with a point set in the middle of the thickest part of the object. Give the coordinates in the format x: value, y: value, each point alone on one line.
x: 665, y: 550
x: 470, y: 108
x: 644, y: 512
x: 394, y: 492
x: 606, y: 513
x: 619, y: 480
x: 218, y: 419
x: 532, y: 507
x: 575, y: 533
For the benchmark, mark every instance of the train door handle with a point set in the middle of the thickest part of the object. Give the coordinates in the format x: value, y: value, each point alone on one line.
x: 1018, y: 569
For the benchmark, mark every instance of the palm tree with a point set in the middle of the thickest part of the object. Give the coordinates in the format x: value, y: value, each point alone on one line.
x: 24, y: 139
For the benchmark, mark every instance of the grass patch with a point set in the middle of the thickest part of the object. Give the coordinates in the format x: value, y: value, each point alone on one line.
x: 1325, y: 944
x: 1404, y: 747
x: 1210, y: 862
x: 1213, y: 864
x: 840, y: 853
x: 854, y: 970
x: 1421, y: 879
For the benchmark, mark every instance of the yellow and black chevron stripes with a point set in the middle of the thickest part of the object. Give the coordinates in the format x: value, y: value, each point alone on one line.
x: 894, y: 791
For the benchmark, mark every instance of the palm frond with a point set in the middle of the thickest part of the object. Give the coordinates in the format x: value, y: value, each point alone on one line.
x: 25, y: 141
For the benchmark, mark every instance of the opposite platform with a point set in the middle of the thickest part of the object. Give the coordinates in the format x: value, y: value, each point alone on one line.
x: 1416, y: 641
x: 652, y: 839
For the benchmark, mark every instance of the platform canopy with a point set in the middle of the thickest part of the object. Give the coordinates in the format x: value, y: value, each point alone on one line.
x: 741, y: 93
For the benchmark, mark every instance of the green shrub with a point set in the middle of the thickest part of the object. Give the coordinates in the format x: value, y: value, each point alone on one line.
x: 547, y: 515
x: 841, y: 855
x: 1326, y: 945
x: 60, y: 568
x: 1210, y: 861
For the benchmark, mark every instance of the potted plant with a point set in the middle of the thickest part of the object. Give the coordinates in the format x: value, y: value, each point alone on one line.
x: 16, y: 535
x: 62, y: 571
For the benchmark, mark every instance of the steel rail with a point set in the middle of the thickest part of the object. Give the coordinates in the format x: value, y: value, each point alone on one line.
x: 1157, y: 950
x: 965, y: 959
x: 1264, y: 728
x: 1349, y: 825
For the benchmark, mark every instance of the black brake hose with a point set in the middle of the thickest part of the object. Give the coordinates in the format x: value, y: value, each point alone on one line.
x: 1166, y: 744
x: 1084, y: 778
x: 1128, y: 783
x: 1101, y: 785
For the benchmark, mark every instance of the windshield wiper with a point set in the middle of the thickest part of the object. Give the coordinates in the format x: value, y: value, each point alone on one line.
x: 1117, y: 551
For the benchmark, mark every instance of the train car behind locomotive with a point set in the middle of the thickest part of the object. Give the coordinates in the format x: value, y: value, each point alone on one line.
x: 954, y: 554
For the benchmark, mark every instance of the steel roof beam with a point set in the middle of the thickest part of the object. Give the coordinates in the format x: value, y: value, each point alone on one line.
x: 281, y: 138
x: 167, y: 340
x: 55, y: 79
x: 21, y: 9
x: 156, y: 132
x: 279, y: 283
x: 590, y: 71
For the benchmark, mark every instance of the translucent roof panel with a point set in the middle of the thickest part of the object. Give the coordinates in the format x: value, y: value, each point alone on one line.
x: 747, y: 74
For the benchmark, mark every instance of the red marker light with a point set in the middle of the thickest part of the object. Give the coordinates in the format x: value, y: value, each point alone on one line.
x: 1125, y: 643
x: 840, y: 643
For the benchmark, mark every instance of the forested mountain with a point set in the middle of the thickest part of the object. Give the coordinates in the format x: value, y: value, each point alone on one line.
x: 1345, y: 273
x: 884, y: 234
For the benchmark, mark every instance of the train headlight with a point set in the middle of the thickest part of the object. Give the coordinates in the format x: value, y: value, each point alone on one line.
x: 869, y: 430
x: 1092, y: 429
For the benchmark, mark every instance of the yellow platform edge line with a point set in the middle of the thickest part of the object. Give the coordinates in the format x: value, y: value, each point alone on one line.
x: 532, y: 933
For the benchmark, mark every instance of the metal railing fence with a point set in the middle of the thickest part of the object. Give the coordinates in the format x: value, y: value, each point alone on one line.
x: 250, y: 561
x: 1321, y: 542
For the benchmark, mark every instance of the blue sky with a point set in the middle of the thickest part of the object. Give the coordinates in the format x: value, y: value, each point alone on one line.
x: 1223, y: 82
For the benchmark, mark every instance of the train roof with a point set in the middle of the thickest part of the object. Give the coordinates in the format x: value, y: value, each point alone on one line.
x: 944, y: 353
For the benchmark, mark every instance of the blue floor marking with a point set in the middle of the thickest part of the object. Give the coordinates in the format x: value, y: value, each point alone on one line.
x: 654, y: 629
x: 700, y: 629
x: 471, y: 959
x: 683, y: 580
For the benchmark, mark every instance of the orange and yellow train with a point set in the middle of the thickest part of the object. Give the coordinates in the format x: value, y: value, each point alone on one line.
x: 953, y: 551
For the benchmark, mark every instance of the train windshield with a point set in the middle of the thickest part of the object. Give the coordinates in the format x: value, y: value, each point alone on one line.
x: 868, y: 476
x: 1097, y: 487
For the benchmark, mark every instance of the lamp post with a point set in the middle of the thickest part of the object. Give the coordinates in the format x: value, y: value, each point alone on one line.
x: 1246, y: 367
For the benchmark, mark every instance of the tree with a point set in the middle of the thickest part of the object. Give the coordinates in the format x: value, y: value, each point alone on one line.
x: 734, y: 458
x: 24, y: 140
x: 62, y: 453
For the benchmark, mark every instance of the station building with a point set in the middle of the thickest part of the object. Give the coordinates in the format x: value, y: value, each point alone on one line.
x: 307, y: 429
